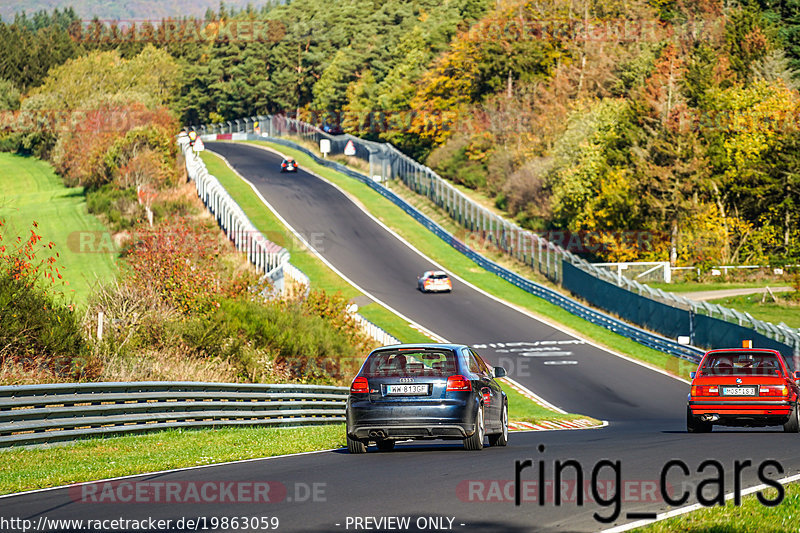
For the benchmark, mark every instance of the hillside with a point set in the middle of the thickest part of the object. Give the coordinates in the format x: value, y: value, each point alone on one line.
x: 672, y: 121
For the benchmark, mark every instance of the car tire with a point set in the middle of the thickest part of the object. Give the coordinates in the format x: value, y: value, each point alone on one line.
x: 385, y: 445
x: 793, y: 424
x: 693, y: 425
x: 501, y: 439
x: 475, y: 441
x: 356, y: 446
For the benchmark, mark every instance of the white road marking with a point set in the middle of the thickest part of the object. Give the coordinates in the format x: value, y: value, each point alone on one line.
x: 560, y: 363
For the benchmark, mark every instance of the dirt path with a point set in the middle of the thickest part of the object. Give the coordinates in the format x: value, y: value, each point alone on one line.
x: 725, y: 293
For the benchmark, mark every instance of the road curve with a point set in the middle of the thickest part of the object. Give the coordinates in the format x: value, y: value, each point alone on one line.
x: 567, y: 372
x: 456, y: 489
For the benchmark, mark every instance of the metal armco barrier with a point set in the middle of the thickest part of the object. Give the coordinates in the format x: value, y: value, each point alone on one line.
x: 31, y: 414
x: 387, y: 162
x: 632, y: 332
x: 267, y: 256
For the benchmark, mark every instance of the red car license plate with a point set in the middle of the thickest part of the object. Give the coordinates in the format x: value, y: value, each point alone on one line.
x: 739, y: 391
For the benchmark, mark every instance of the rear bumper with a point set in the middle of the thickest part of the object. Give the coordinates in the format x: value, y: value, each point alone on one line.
x: 438, y: 431
x: 450, y: 419
x: 744, y: 413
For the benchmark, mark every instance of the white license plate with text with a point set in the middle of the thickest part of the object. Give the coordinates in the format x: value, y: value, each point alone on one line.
x: 739, y: 391
x: 406, y: 389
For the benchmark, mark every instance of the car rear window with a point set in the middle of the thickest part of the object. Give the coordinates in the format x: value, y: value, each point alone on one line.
x: 439, y: 276
x: 741, y: 364
x: 440, y: 363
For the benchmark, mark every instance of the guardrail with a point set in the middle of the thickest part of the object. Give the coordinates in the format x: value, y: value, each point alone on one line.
x: 31, y: 414
x: 267, y: 256
x: 597, y: 317
x: 387, y: 162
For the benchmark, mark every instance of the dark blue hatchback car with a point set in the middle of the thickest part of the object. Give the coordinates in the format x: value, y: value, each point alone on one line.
x: 426, y: 391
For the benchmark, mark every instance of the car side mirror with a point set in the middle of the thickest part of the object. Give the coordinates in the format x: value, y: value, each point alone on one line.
x: 499, y: 372
x: 797, y: 374
x: 692, y: 374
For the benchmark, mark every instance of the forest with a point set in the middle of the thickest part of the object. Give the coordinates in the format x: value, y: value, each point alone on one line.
x: 674, y: 118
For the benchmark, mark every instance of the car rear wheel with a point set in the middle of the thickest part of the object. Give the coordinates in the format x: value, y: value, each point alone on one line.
x: 356, y: 446
x: 385, y: 445
x: 793, y: 424
x: 475, y: 441
x: 501, y: 439
x: 693, y: 425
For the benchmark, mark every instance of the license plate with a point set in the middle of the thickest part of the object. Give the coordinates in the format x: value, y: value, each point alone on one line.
x: 739, y: 391
x: 406, y: 389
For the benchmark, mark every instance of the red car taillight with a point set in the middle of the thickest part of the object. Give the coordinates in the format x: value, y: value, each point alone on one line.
x: 773, y: 390
x: 705, y: 390
x: 458, y: 383
x: 359, y: 386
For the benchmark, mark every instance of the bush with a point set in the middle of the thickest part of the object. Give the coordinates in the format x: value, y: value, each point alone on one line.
x: 38, y: 334
x: 305, y: 345
x: 119, y: 207
x: 182, y: 262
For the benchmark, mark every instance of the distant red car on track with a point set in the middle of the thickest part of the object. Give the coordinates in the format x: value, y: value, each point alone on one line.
x: 743, y: 387
x: 289, y: 165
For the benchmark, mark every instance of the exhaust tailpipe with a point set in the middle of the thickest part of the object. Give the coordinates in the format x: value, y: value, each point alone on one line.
x: 709, y: 418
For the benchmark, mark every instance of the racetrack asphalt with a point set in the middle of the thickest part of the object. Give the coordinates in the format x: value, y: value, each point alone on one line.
x: 645, y: 410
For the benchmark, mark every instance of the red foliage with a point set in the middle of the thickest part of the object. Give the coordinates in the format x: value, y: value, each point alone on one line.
x: 19, y: 258
x: 83, y: 147
x: 181, y: 261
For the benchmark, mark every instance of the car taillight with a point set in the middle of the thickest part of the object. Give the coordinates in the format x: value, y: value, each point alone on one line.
x: 458, y: 382
x: 704, y: 390
x: 773, y: 390
x: 359, y: 386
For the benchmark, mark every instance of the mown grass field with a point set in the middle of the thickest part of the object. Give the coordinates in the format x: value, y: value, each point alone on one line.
x: 30, y: 191
x: 435, y: 248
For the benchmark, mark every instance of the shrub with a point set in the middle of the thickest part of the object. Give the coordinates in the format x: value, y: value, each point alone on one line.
x: 38, y: 333
x: 119, y: 207
x: 181, y: 261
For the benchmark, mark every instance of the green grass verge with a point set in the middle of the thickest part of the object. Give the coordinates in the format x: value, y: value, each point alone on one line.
x: 103, y: 458
x: 31, y: 191
x: 750, y: 517
x: 435, y: 248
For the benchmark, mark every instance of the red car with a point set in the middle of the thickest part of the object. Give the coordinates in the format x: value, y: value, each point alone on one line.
x: 288, y: 165
x: 743, y: 387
